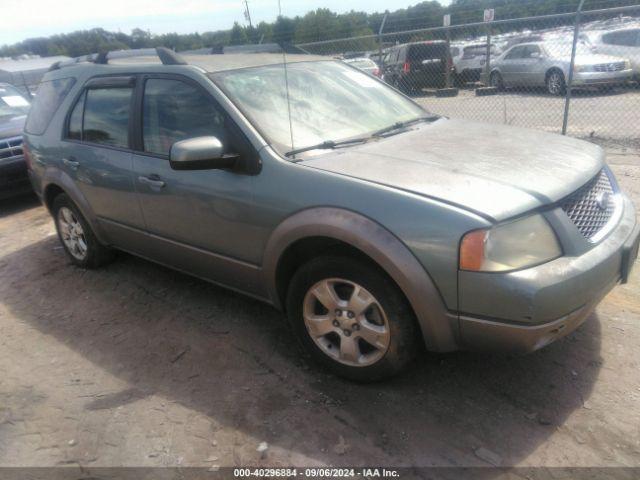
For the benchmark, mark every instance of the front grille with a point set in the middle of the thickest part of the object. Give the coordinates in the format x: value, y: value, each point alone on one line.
x: 609, y: 67
x: 10, y: 147
x: 591, y: 206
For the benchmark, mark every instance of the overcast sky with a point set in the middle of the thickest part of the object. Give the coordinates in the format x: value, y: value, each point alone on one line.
x: 35, y: 18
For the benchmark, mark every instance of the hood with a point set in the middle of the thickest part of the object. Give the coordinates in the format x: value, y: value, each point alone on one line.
x: 493, y: 170
x: 11, y: 126
x: 595, y: 59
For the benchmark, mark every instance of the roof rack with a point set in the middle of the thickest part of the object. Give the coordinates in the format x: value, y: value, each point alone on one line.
x: 166, y: 56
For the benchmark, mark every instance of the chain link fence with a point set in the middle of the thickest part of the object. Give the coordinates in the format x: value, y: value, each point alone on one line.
x: 576, y: 73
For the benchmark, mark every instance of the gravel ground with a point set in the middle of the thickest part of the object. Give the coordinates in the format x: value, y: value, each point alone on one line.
x: 136, y: 365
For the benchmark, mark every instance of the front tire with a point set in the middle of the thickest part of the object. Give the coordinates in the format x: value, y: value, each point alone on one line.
x: 76, y: 236
x: 351, y: 318
x: 555, y: 83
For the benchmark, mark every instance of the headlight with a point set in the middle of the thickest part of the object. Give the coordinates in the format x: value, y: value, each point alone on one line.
x: 584, y: 68
x: 627, y: 64
x: 509, y: 246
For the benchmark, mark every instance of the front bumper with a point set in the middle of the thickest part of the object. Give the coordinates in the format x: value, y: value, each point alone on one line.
x: 525, y: 310
x: 602, y: 78
x: 13, y: 177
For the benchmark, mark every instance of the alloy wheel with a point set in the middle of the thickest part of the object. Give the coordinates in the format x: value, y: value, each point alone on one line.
x: 72, y: 233
x: 554, y: 83
x: 346, y: 322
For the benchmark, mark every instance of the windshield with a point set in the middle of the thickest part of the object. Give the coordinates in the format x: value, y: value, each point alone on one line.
x: 328, y: 101
x: 361, y: 63
x: 12, y: 103
x: 564, y: 49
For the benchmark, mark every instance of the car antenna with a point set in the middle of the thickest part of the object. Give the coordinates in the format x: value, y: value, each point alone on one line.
x: 286, y: 84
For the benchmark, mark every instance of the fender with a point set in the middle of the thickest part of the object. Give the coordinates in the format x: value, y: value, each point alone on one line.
x: 439, y: 329
x: 59, y: 178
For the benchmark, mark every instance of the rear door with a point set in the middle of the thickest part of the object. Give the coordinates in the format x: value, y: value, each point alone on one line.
x: 98, y: 154
x: 533, y: 71
x: 511, y: 66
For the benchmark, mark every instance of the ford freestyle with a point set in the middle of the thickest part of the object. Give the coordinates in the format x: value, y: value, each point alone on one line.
x: 375, y: 225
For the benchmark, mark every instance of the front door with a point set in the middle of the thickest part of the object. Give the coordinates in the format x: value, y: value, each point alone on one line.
x: 198, y: 220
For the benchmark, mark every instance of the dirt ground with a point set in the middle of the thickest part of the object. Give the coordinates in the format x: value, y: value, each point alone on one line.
x: 136, y: 365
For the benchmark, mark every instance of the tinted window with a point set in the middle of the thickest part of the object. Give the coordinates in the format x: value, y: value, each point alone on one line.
x: 75, y: 120
x: 531, y: 51
x: 478, y: 51
x: 424, y: 51
x: 49, y: 97
x: 174, y: 111
x: 517, y: 52
x: 627, y: 38
x: 106, y: 116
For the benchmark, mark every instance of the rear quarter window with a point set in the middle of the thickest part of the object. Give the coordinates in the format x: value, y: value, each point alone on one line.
x: 49, y: 96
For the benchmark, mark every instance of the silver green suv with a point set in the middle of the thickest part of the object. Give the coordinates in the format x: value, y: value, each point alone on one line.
x: 375, y: 225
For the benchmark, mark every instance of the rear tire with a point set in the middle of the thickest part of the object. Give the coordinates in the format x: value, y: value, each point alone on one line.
x: 495, y: 80
x: 76, y: 236
x: 363, y: 329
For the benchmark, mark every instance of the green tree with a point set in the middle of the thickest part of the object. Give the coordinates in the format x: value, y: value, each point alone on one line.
x: 238, y: 35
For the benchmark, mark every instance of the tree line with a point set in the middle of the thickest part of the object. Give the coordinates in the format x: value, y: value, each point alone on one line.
x: 318, y: 25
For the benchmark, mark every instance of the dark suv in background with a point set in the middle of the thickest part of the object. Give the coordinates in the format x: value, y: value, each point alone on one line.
x: 13, y: 170
x: 414, y: 66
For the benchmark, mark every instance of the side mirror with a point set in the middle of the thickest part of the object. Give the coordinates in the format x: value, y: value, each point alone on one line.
x: 200, y: 153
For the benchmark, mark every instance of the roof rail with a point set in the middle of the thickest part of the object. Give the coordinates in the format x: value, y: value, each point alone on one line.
x: 166, y: 56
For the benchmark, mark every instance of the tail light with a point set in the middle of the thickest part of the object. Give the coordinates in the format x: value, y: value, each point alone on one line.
x: 406, y: 68
x: 26, y: 154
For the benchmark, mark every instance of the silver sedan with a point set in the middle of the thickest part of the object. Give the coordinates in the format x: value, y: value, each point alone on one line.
x: 546, y: 64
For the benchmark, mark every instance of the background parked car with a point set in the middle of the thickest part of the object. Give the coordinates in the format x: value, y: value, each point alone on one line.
x: 13, y: 169
x: 365, y: 64
x: 547, y: 64
x: 469, y: 61
x: 414, y: 66
x: 625, y: 42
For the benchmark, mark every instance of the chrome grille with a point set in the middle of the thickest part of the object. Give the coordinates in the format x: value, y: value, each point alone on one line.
x: 591, y: 206
x: 10, y: 147
x: 609, y: 67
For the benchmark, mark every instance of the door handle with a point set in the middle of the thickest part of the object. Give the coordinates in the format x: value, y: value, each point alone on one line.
x: 153, y: 182
x: 71, y: 163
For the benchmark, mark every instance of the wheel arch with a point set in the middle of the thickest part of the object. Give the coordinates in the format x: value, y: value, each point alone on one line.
x: 57, y: 182
x: 554, y: 68
x: 311, y: 232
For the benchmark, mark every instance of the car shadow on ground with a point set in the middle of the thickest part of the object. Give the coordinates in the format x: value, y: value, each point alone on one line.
x: 234, y: 360
x: 14, y: 205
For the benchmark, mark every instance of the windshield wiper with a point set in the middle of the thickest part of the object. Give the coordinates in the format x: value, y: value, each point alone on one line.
x: 326, y: 145
x: 401, y: 125
x: 331, y: 144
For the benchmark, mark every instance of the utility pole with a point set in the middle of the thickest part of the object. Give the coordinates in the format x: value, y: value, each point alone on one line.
x: 247, y: 15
